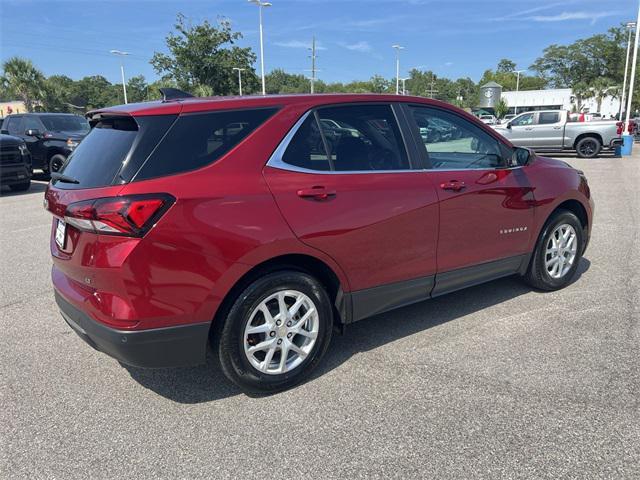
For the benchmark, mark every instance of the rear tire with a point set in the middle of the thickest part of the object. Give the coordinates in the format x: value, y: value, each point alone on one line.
x: 20, y: 187
x: 555, y: 261
x: 588, y: 147
x: 303, y: 342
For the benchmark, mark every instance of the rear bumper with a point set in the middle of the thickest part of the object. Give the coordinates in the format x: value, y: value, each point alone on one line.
x: 615, y: 142
x: 155, y: 348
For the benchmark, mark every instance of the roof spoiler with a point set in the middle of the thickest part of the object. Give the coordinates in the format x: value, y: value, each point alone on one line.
x: 173, y: 94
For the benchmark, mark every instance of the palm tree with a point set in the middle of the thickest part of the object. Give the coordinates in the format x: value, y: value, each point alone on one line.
x: 602, y: 88
x: 22, y: 80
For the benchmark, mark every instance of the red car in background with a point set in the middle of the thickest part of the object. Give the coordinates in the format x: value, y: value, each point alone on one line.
x: 245, y: 223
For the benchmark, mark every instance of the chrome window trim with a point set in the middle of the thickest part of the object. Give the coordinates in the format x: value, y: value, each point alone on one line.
x: 275, y: 160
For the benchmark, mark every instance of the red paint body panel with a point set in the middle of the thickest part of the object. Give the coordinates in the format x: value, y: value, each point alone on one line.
x: 236, y: 213
x: 490, y: 218
x: 381, y: 228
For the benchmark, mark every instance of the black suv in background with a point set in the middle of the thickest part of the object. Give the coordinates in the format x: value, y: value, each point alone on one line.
x: 50, y: 137
x: 15, y: 163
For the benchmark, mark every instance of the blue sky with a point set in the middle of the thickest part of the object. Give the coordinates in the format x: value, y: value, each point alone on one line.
x: 452, y: 37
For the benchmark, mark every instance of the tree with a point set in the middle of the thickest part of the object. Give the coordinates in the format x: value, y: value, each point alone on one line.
x: 57, y: 92
x: 279, y: 81
x: 137, y: 89
x: 95, y: 92
x: 506, y: 66
x: 22, y: 80
x: 205, y: 55
x: 584, y: 61
x: 501, y: 108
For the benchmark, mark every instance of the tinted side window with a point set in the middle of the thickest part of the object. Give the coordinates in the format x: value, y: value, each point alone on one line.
x: 522, y: 120
x: 198, y: 139
x: 363, y: 137
x: 455, y: 143
x: 548, y: 117
x: 306, y: 149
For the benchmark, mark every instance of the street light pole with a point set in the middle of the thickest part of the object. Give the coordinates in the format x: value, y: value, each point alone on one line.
x: 397, y: 48
x: 515, y: 106
x: 629, y: 26
x: 633, y: 71
x: 261, y: 4
x: 239, y: 70
x: 122, y: 54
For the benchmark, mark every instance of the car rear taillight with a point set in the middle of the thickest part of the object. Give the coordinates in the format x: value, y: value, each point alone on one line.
x: 620, y: 126
x: 130, y: 215
x: 631, y: 127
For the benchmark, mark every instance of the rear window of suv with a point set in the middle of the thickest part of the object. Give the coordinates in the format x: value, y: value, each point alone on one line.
x: 123, y: 149
x: 198, y: 139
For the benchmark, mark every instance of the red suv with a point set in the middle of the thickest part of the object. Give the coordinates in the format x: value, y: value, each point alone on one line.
x: 259, y: 224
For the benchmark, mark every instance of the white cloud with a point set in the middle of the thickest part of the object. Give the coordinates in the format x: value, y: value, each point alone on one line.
x: 299, y: 44
x: 448, y: 64
x: 358, y: 46
x: 566, y: 16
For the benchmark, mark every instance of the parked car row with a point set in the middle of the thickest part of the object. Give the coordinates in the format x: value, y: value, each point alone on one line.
x: 50, y: 137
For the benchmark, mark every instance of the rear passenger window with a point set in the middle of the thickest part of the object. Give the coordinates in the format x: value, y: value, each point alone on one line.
x: 548, y: 117
x: 363, y: 137
x: 349, y: 139
x: 306, y: 149
x: 198, y: 139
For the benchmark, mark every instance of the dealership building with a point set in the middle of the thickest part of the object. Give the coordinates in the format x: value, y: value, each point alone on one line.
x: 552, y: 99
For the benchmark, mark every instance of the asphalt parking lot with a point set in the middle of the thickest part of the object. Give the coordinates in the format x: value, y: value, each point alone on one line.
x: 497, y: 381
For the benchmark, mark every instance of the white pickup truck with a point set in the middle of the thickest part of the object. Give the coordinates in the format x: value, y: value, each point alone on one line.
x: 551, y: 131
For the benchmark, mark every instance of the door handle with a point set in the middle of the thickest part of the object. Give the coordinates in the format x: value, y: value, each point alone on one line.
x: 529, y: 128
x: 454, y: 185
x: 316, y: 193
x: 557, y: 128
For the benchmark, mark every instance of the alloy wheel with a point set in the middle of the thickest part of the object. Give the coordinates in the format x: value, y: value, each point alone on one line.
x: 561, y: 251
x: 281, y: 332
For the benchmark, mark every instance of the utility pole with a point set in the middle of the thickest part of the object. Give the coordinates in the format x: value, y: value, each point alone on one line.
x: 239, y: 70
x: 313, y: 64
x: 431, y: 89
x: 629, y: 26
x: 633, y: 72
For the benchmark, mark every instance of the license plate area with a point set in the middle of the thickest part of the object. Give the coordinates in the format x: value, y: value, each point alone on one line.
x: 61, y: 233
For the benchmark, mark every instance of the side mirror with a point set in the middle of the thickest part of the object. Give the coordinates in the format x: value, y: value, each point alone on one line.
x: 4, y: 132
x: 32, y: 132
x: 520, y: 157
x: 508, y: 125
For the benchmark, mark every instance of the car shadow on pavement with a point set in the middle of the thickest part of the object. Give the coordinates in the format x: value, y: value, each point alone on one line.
x: 36, y: 187
x: 207, y: 383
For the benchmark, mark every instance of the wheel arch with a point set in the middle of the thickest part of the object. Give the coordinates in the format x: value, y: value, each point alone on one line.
x: 595, y: 135
x: 296, y: 261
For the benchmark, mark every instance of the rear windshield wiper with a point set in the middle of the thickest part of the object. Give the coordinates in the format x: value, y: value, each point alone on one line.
x: 61, y: 177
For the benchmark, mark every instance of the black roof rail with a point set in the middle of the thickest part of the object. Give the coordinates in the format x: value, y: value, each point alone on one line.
x: 173, y: 94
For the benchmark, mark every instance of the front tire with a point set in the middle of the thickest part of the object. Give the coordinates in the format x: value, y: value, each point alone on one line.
x: 557, y: 253
x: 56, y: 162
x: 588, y: 147
x: 276, y: 332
